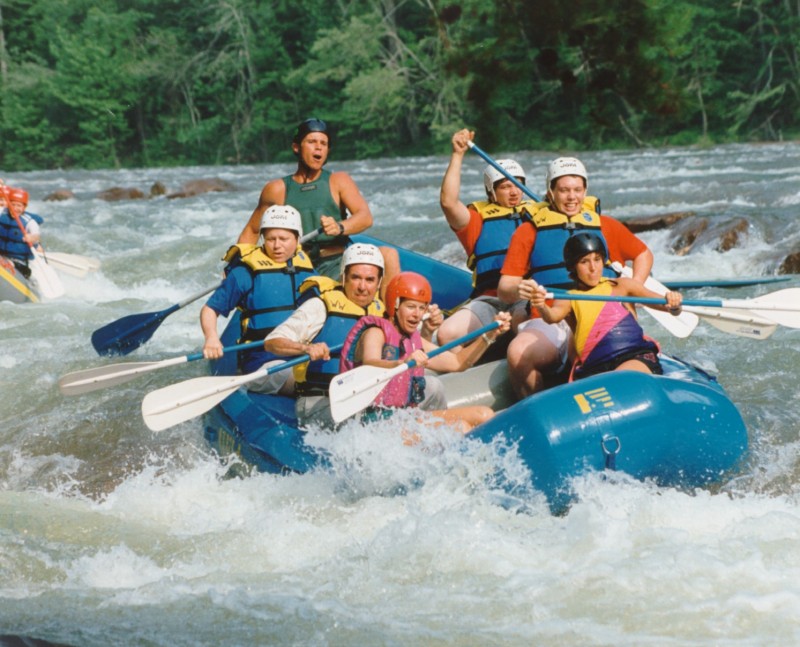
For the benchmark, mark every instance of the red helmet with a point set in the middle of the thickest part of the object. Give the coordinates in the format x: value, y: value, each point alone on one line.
x: 17, y: 195
x: 407, y: 285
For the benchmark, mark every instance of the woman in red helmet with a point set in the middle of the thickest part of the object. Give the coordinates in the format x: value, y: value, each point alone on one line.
x: 391, y: 341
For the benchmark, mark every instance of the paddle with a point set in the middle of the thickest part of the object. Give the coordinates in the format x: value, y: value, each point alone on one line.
x: 356, y: 389
x: 183, y: 401
x: 73, y: 264
x: 775, y: 307
x: 125, y: 335
x: 678, y: 284
x: 102, y: 377
x: 44, y: 276
x: 681, y: 326
x: 736, y: 322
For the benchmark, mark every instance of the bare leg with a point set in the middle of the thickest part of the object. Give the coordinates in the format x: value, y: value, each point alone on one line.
x: 457, y: 325
x: 530, y: 356
x: 634, y: 365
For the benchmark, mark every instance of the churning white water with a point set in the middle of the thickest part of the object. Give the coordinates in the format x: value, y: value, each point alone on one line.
x: 113, y: 534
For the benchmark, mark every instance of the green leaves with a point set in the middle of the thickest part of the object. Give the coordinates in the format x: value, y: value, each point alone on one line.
x: 97, y: 83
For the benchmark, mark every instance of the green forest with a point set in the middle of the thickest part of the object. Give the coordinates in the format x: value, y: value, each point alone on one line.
x: 131, y: 83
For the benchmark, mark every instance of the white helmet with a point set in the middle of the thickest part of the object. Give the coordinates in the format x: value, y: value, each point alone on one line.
x: 282, y: 217
x: 492, y: 175
x: 358, y: 253
x: 565, y: 166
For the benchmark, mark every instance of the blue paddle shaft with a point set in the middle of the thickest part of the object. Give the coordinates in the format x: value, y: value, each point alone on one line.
x: 458, y: 342
x: 488, y: 159
x: 228, y: 349
x: 714, y: 303
x: 299, y: 360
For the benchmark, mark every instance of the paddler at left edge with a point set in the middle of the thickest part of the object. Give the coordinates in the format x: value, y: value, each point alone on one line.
x: 13, y: 244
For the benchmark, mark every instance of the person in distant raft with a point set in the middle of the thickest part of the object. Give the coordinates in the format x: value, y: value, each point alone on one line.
x: 392, y: 340
x: 323, y: 198
x: 607, y: 335
x: 484, y: 229
x: 263, y: 282
x: 13, y: 243
x: 539, y: 351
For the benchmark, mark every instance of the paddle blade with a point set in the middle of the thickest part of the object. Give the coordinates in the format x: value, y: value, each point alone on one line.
x: 45, y: 277
x: 183, y: 401
x: 782, y: 307
x: 125, y: 335
x: 356, y: 389
x: 735, y: 322
x: 73, y: 264
x: 681, y: 326
x: 102, y: 377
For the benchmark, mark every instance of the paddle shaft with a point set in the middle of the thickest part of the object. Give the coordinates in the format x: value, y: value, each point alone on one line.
x: 740, y: 304
x: 186, y: 400
x: 102, y: 377
x: 353, y: 391
x: 488, y: 159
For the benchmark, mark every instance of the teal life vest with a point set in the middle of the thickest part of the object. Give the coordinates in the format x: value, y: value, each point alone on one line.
x: 11, y: 242
x: 553, y: 229
x: 486, y: 260
x: 314, y: 378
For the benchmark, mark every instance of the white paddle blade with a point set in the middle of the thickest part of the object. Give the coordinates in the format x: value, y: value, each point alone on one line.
x: 681, y: 326
x: 183, y: 401
x: 94, y: 379
x: 45, y: 277
x: 735, y: 322
x: 356, y: 389
x: 73, y: 264
x: 102, y: 377
x: 782, y: 307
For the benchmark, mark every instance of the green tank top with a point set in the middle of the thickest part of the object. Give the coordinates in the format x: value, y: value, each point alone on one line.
x: 313, y: 200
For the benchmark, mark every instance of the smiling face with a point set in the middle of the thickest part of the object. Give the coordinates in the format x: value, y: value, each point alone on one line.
x: 313, y: 150
x: 361, y: 283
x: 409, y: 314
x: 567, y: 194
x: 589, y: 269
x: 279, y: 244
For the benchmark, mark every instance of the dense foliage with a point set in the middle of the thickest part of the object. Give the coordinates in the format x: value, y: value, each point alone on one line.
x: 105, y: 83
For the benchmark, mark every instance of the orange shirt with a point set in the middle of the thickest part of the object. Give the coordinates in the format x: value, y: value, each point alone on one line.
x: 469, y: 235
x: 623, y: 245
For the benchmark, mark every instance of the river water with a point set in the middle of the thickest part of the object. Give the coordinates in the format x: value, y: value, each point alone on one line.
x: 113, y: 534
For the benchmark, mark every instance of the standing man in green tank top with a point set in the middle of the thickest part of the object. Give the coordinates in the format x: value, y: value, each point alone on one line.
x: 326, y: 199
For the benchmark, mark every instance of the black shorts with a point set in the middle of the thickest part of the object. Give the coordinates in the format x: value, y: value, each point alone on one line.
x: 646, y: 356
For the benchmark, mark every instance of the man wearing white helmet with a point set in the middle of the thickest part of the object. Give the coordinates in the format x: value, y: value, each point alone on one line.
x: 326, y: 199
x: 484, y: 229
x: 539, y: 352
x: 263, y: 282
x: 323, y: 321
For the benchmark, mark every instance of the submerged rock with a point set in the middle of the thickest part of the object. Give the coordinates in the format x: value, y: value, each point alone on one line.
x: 117, y: 193
x: 60, y: 195
x: 196, y: 187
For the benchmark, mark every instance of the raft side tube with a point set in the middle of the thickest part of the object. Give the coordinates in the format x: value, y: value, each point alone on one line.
x: 679, y: 433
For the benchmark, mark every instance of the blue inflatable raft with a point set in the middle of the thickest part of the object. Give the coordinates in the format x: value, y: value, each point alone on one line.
x: 679, y: 429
